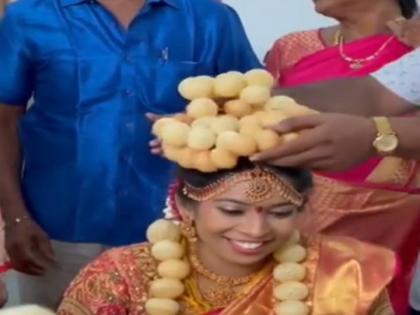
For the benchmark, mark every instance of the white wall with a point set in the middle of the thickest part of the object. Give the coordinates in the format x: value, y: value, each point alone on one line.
x: 267, y: 20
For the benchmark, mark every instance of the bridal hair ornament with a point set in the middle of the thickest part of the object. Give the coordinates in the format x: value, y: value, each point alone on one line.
x: 263, y: 184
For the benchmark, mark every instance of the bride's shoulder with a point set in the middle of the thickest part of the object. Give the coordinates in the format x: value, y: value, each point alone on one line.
x: 132, y: 257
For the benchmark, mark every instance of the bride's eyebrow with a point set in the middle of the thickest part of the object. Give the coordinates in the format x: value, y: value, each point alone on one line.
x: 232, y: 201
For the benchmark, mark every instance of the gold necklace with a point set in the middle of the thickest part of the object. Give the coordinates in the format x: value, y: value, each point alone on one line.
x: 358, y: 63
x: 223, y: 293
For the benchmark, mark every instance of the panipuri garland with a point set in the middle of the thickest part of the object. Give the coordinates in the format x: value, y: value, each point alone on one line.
x: 290, y: 291
x: 209, y: 137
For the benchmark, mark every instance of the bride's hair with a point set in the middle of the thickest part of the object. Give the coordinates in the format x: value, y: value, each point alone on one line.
x: 300, y: 179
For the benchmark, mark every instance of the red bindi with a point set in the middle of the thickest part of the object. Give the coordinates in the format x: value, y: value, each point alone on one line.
x: 259, y: 210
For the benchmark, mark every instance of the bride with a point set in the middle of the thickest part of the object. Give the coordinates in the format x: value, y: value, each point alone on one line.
x: 229, y: 246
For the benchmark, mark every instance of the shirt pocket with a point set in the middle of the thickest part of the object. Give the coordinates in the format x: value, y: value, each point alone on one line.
x: 166, y: 77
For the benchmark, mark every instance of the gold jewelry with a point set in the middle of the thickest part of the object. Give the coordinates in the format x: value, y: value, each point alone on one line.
x: 167, y: 290
x: 358, y: 63
x: 188, y: 229
x: 387, y: 140
x: 263, y: 185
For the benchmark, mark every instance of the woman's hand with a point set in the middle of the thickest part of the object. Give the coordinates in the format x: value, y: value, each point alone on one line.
x: 329, y: 142
x: 408, y: 31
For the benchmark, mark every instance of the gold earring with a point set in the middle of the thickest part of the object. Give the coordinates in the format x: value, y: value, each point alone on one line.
x: 188, y: 229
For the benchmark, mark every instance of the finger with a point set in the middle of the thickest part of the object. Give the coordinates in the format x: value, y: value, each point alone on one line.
x: 23, y: 260
x: 157, y: 151
x: 311, y: 138
x: 155, y: 143
x: 46, y: 251
x: 298, y: 123
x: 310, y: 159
x: 153, y: 117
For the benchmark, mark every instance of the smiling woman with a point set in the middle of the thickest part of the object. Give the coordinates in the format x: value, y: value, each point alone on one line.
x: 229, y: 245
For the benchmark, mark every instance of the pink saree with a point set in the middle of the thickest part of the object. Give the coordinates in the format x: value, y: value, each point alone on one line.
x: 379, y: 200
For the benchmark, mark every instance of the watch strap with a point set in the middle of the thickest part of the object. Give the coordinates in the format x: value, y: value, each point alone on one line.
x: 383, y: 126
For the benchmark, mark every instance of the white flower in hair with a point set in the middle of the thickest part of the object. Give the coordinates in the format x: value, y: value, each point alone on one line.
x: 26, y: 310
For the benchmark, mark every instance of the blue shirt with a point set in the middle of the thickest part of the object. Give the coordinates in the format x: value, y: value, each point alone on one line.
x: 88, y: 175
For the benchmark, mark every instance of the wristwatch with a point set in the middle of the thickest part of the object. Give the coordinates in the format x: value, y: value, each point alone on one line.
x: 386, y: 141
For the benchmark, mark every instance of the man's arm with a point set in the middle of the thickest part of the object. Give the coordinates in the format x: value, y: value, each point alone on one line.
x: 27, y: 245
x: 11, y: 200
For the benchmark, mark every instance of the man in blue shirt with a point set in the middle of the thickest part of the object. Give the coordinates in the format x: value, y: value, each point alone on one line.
x: 94, y: 69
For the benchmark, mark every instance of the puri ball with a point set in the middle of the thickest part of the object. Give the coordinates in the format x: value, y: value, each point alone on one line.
x: 291, y: 291
x: 249, y: 120
x: 159, y: 124
x: 279, y: 102
x: 289, y: 272
x: 271, y: 118
x: 245, y: 146
x: 174, y: 268
x: 267, y: 139
x: 290, y: 136
x: 255, y: 94
x: 293, y: 253
x: 175, y: 133
x: 203, y: 122
x: 224, y: 123
x: 166, y: 288
x: 196, y: 87
x: 161, y: 307
x: 223, y: 159
x: 250, y: 130
x: 183, y: 118
x: 291, y: 308
x: 259, y: 77
x: 185, y: 158
x: 229, y: 84
x: 163, y: 230
x: 202, y: 107
x: 201, y: 138
x: 165, y: 250
x: 236, y: 143
x: 237, y: 108
x: 170, y: 152
x: 203, y: 162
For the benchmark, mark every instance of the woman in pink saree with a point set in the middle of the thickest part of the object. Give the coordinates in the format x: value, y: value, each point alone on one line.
x: 378, y: 201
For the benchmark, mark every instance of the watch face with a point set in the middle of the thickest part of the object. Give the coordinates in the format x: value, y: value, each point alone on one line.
x: 386, y: 143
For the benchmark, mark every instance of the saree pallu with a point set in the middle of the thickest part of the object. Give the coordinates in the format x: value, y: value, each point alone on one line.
x: 379, y: 200
x: 344, y: 276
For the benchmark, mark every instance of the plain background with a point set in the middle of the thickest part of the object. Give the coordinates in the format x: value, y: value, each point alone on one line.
x: 267, y: 20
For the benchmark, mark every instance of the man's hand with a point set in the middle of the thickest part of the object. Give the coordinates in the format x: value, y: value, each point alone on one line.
x: 28, y: 247
x: 154, y: 145
x: 328, y: 142
x: 408, y: 31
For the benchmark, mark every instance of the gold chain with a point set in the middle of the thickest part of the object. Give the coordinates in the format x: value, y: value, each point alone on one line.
x: 219, y: 279
x: 358, y: 63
